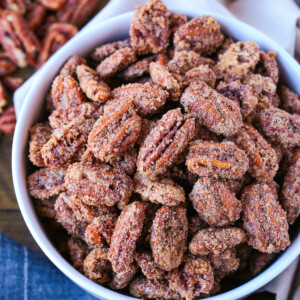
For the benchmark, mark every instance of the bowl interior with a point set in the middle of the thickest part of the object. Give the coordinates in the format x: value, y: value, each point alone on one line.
x: 33, y: 110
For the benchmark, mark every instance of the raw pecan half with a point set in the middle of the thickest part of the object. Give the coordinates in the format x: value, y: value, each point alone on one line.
x: 125, y: 236
x: 165, y: 142
x: 6, y: 65
x: 78, y: 251
x: 69, y: 68
x: 264, y: 220
x: 219, y: 160
x: 289, y: 100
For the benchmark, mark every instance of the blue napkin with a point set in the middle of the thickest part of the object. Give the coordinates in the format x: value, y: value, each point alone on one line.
x: 27, y: 275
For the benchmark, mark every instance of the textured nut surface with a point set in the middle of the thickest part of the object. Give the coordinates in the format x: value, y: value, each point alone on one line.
x: 45, y: 207
x: 3, y: 97
x: 169, y: 237
x: 78, y: 252
x: 289, y: 100
x: 219, y: 160
x: 125, y: 236
x: 264, y: 220
x: 201, y: 73
x: 69, y: 68
x: 6, y: 65
x: 226, y: 261
x: 52, y: 4
x: 218, y: 113
x: 259, y: 260
x: 267, y: 65
x: 121, y: 279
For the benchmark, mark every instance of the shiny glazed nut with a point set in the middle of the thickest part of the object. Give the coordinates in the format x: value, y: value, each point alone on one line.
x: 267, y: 65
x: 165, y: 142
x: 169, y: 237
x: 35, y: 15
x: 213, y: 110
x: 219, y: 160
x: 201, y: 73
x: 90, y: 82
x: 6, y: 65
x: 121, y: 279
x: 98, y: 185
x: 78, y: 252
x: 201, y: 34
x: 125, y: 236
x: 69, y: 68
x: 214, y: 202
x: 289, y: 100
x: 264, y: 220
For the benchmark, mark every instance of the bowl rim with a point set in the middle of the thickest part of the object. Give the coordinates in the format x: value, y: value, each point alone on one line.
x: 32, y: 220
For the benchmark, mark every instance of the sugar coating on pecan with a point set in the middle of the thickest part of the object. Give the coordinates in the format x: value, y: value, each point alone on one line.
x: 147, y: 126
x: 45, y: 207
x: 116, y: 62
x: 169, y: 237
x: 163, y: 191
x: 213, y: 110
x: 201, y: 73
x: 216, y: 240
x: 45, y: 183
x: 91, y: 83
x: 69, y: 68
x: 149, y: 29
x: 146, y: 98
x: 259, y: 260
x: 214, y: 202
x: 40, y: 134
x: 98, y: 185
x: 125, y: 236
x: 226, y: 261
x: 267, y: 65
x: 165, y: 142
x: 219, y: 160
x: 8, y: 119
x: 200, y: 34
x: 78, y: 250
x: 264, y: 220
x: 196, y: 224
x: 289, y: 100
x: 176, y: 21
x: 127, y: 162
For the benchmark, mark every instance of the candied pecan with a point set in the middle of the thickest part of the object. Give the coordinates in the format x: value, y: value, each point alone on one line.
x: 213, y: 110
x: 106, y: 50
x: 194, y: 278
x: 290, y: 199
x: 12, y: 83
x: 35, y: 15
x: 201, y: 34
x: 281, y: 127
x: 147, y: 126
x: 162, y: 77
x: 202, y: 73
x: 264, y: 220
x: 276, y: 101
x: 98, y: 185
x: 45, y: 207
x: 145, y: 288
x: 226, y: 261
x: 69, y: 68
x: 53, y: 4
x: 114, y: 132
x: 78, y: 251
x: 91, y: 84
x: 214, y: 202
x: 121, y: 279
x: 165, y: 142
x: 163, y: 191
x: 67, y: 143
x: 196, y: 224
x: 97, y: 267
x: 58, y: 34
x: 267, y: 65
x: 127, y: 162
x: 169, y: 237
x: 17, y: 39
x: 45, y: 183
x: 258, y: 261
x: 219, y: 160
x: 176, y: 21
x: 40, y: 134
x: 148, y: 266
x: 237, y: 61
x: 216, y: 241
x: 224, y: 46
x: 77, y: 12
x: 65, y: 92
x: 149, y: 29
x: 262, y: 158
x: 3, y: 98
x: 146, y: 98
x: 125, y: 236
x: 289, y: 100
x: 63, y: 116
x: 116, y: 62
x: 6, y: 65
x: 241, y: 94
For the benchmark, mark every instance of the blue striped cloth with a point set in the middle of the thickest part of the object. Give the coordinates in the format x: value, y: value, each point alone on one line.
x: 27, y: 275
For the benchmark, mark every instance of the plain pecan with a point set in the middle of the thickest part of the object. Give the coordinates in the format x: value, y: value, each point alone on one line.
x: 281, y: 127
x: 165, y: 142
x: 149, y: 29
x: 78, y: 251
x: 267, y: 65
x: 69, y: 68
x: 40, y: 134
x: 214, y: 202
x: 169, y: 237
x: 91, y: 83
x: 45, y: 207
x: 216, y: 112
x: 125, y: 236
x: 264, y: 220
x: 3, y: 98
x: 163, y: 191
x: 201, y: 34
x: 201, y: 73
x: 17, y: 39
x: 212, y: 240
x: 290, y: 199
x: 6, y: 65
x: 98, y: 185
x: 35, y: 15
x: 219, y: 160
x: 289, y: 100
x: 67, y: 143
x: 114, y: 133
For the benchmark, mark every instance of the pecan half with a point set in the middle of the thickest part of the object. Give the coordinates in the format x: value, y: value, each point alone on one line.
x: 267, y: 65
x: 35, y: 15
x: 69, y: 68
x: 289, y: 100
x: 20, y: 6
x: 45, y: 207
x: 201, y: 73
x: 78, y: 251
x: 6, y: 65
x: 176, y: 21
x: 8, y: 120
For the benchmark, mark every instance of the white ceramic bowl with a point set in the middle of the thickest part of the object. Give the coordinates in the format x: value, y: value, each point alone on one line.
x: 111, y: 30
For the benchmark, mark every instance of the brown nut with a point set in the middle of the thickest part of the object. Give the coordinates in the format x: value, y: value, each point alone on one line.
x: 176, y: 21
x: 69, y: 68
x: 258, y: 261
x: 201, y: 73
x: 12, y: 83
x: 6, y: 65
x: 3, y: 98
x: 8, y: 120
x: 289, y: 100
x: 52, y: 4
x: 45, y: 207
x: 78, y: 252
x: 35, y: 15
x: 267, y: 65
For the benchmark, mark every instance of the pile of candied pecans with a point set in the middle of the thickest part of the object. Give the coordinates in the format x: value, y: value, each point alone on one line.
x: 30, y: 32
x: 171, y: 159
